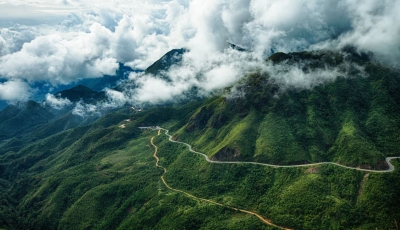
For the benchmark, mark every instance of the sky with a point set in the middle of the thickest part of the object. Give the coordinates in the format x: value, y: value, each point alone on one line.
x: 62, y: 41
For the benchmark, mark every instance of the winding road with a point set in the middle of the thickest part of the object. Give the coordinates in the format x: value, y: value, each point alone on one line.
x: 388, y: 159
x: 263, y: 219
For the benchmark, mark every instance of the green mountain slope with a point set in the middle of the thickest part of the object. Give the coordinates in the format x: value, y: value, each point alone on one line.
x: 353, y: 120
x: 15, y: 120
x: 26, y: 122
x: 101, y: 175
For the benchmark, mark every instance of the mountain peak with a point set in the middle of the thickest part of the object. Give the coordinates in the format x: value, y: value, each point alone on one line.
x: 81, y: 92
x: 81, y: 88
x: 165, y: 62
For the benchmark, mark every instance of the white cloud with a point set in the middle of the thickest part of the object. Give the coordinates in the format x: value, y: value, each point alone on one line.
x: 2, y: 46
x: 220, y: 77
x: 97, y: 35
x: 221, y: 70
x: 62, y: 58
x: 57, y: 103
x: 154, y: 90
x: 83, y: 110
x: 375, y: 28
x: 116, y: 98
x: 293, y: 76
x: 14, y: 90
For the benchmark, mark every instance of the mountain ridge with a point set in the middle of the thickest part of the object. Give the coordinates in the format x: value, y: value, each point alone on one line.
x: 100, y: 173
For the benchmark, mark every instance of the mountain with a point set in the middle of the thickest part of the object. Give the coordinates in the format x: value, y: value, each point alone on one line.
x: 236, y: 47
x: 174, y: 57
x: 81, y: 93
x: 3, y: 104
x: 16, y: 120
x: 169, y: 59
x: 96, y: 84
x: 26, y: 122
x: 102, y: 174
x: 353, y: 120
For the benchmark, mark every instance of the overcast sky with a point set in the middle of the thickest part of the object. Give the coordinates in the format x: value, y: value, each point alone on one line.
x: 61, y: 41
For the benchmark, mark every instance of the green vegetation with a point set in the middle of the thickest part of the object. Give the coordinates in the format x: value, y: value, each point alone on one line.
x: 302, y: 198
x: 353, y: 121
x: 59, y: 171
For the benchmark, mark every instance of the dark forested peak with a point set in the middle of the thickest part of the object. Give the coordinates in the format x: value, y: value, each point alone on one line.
x: 79, y: 88
x: 32, y: 104
x: 321, y: 57
x: 236, y: 47
x: 81, y: 92
x: 279, y: 57
x: 165, y: 62
x: 324, y: 57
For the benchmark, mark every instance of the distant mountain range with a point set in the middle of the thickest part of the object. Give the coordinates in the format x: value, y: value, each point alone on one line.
x: 97, y: 84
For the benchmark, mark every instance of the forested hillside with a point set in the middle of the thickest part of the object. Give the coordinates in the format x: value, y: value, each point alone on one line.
x: 71, y: 172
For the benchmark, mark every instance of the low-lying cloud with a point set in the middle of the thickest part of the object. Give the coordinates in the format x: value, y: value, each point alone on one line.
x: 82, y: 109
x: 220, y: 70
x: 92, y: 38
x: 56, y: 103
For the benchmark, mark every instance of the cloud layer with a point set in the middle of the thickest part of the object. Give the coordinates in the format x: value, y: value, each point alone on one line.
x: 14, y: 90
x: 93, y: 37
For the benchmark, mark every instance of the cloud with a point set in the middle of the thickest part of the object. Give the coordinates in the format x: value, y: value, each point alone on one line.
x: 56, y: 103
x: 220, y: 77
x: 155, y: 90
x: 83, y: 110
x: 301, y: 76
x: 116, y: 99
x: 288, y: 26
x: 2, y: 46
x: 12, y: 41
x: 14, y: 90
x: 375, y: 29
x: 59, y: 59
x: 12, y: 14
x: 190, y: 78
x: 93, y: 37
